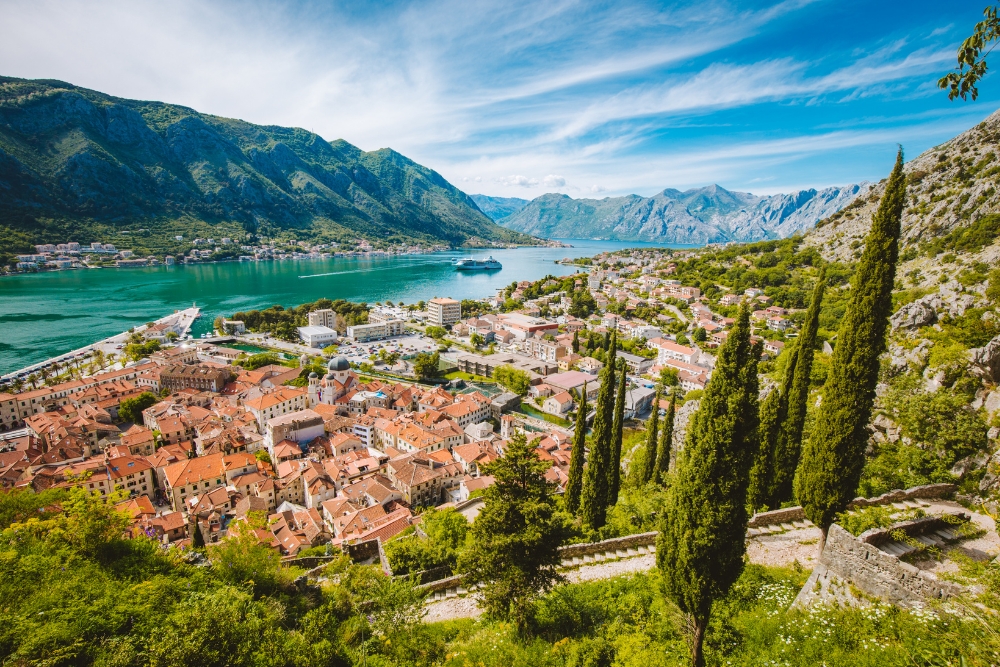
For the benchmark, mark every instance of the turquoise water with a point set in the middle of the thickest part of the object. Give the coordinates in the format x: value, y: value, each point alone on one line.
x: 46, y: 314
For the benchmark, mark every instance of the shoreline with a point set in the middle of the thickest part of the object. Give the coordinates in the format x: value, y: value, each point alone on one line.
x: 193, y: 313
x: 159, y: 262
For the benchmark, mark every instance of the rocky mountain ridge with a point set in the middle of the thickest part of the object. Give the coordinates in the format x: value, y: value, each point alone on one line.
x: 704, y: 215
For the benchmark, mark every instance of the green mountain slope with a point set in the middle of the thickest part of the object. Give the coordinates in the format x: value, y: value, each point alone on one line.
x: 75, y: 162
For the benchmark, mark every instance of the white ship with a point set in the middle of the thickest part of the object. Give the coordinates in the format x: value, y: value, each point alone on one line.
x: 488, y: 264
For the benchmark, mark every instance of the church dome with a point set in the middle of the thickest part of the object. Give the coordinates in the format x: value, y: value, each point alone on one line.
x: 313, y: 376
x: 339, y: 363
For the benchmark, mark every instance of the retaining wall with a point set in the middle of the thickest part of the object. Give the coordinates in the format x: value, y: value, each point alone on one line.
x: 881, y: 574
x: 789, y: 514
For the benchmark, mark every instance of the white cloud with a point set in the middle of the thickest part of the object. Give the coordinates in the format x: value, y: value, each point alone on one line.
x: 518, y: 180
x: 497, y: 92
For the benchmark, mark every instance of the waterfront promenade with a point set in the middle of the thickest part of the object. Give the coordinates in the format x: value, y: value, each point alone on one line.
x: 179, y: 322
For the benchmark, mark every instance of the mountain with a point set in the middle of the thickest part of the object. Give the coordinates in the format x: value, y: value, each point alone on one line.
x: 498, y: 207
x: 705, y: 215
x: 953, y: 207
x: 78, y: 162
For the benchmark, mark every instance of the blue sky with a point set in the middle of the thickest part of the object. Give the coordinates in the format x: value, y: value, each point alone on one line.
x: 520, y: 98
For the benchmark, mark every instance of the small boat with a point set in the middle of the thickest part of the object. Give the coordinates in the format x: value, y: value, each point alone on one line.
x: 488, y: 264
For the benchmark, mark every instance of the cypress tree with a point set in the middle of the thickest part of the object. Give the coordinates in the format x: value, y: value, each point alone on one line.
x: 834, y: 457
x: 652, y: 429
x: 666, y: 442
x: 618, y: 425
x: 762, y: 474
x: 575, y: 482
x: 789, y: 444
x: 576, y: 342
x: 702, y: 538
x: 594, y: 499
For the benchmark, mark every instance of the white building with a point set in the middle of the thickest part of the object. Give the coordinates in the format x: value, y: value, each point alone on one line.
x: 444, y: 311
x: 322, y: 318
x: 317, y: 336
x: 668, y: 349
x: 362, y: 333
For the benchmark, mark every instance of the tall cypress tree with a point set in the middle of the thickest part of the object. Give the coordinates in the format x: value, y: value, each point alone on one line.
x: 666, y: 442
x: 594, y: 499
x: 789, y: 444
x: 834, y: 457
x: 576, y: 341
x: 618, y: 425
x: 652, y: 430
x: 703, y: 533
x: 773, y: 412
x: 574, y: 484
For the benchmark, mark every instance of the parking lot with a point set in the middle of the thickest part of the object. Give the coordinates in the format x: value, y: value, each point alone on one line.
x: 410, y: 344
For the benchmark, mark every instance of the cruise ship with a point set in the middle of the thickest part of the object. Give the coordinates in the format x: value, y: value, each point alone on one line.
x: 488, y: 264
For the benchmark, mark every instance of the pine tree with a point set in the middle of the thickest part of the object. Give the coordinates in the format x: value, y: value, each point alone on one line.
x: 652, y: 429
x: 666, y: 442
x: 702, y: 538
x: 789, y: 445
x: 618, y: 425
x: 574, y: 484
x: 594, y: 499
x: 833, y: 458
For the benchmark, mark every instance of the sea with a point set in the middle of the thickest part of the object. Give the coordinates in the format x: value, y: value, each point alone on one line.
x: 46, y: 314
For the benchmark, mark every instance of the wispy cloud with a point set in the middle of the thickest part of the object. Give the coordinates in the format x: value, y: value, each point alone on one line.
x: 576, y: 96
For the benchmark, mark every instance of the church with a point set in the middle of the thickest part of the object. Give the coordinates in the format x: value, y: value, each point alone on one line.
x: 339, y: 380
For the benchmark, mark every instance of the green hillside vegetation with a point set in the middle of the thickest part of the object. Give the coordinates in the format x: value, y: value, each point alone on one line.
x: 76, y: 164
x: 76, y: 593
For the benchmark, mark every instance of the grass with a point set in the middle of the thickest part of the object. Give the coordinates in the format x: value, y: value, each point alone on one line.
x: 627, y: 622
x: 471, y: 377
x: 538, y: 414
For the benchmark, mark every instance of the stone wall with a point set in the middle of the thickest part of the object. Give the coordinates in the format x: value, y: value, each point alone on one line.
x: 786, y: 515
x: 927, y: 491
x: 789, y: 514
x: 607, y: 546
x: 881, y: 574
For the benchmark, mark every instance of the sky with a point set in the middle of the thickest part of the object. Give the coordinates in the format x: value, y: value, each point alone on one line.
x: 516, y: 99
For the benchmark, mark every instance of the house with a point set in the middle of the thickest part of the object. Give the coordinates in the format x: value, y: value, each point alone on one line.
x: 778, y: 323
x: 773, y: 347
x: 668, y: 349
x: 281, y: 401
x: 558, y: 404
x: 574, y: 380
x: 730, y: 300
x: 637, y: 365
x: 638, y: 401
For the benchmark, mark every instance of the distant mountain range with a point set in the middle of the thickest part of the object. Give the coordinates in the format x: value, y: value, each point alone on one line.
x: 76, y: 162
x: 499, y: 207
x: 705, y: 215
